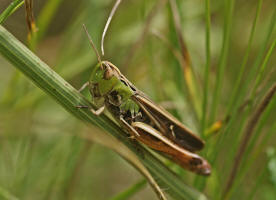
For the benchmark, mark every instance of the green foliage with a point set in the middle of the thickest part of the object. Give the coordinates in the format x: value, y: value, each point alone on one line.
x: 231, y: 46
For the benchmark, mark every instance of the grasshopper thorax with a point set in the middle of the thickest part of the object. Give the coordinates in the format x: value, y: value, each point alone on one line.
x: 107, y: 82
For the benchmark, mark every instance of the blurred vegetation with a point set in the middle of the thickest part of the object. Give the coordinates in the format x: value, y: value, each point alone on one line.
x: 42, y: 155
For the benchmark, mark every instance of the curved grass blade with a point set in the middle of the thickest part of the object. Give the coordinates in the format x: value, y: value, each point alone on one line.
x: 68, y: 97
x: 10, y: 9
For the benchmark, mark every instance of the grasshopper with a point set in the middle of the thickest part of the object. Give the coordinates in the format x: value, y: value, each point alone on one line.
x: 143, y: 119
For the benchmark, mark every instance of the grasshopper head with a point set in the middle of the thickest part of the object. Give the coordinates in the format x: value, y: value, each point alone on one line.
x: 103, y: 78
x: 104, y: 71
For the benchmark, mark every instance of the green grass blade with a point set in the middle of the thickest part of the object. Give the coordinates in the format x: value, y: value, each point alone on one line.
x: 268, y: 113
x: 130, y: 191
x: 68, y: 97
x: 229, y: 9
x: 262, y: 69
x: 199, y: 181
x: 207, y: 66
x: 251, y: 156
x: 238, y: 82
x: 253, y: 71
x: 242, y: 92
x: 248, y: 132
x: 258, y: 184
x: 10, y: 9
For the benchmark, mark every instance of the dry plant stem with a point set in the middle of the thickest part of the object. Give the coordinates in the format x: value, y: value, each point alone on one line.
x: 177, y: 24
x: 29, y: 13
x: 69, y: 98
x: 247, y: 135
x: 185, y: 60
x: 30, y: 17
x: 73, y: 182
x: 141, y: 38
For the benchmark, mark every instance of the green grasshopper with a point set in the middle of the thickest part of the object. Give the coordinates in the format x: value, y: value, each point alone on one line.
x: 145, y: 121
x: 142, y: 118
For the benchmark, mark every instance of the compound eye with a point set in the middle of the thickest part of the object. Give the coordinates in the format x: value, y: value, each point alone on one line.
x: 108, y: 72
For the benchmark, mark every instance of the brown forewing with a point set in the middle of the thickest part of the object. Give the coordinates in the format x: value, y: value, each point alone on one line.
x: 155, y: 140
x: 170, y: 126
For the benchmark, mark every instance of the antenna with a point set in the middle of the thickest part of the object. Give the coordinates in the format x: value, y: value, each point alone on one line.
x: 108, y: 22
x: 93, y: 45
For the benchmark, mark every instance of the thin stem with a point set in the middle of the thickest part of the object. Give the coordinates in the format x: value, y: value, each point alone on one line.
x: 245, y: 59
x: 247, y: 136
x: 262, y: 69
x: 200, y: 182
x: 253, y: 73
x: 207, y: 65
x: 185, y: 63
x: 229, y: 7
x: 250, y: 157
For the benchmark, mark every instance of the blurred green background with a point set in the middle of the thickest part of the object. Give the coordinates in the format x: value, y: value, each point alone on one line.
x: 41, y: 154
